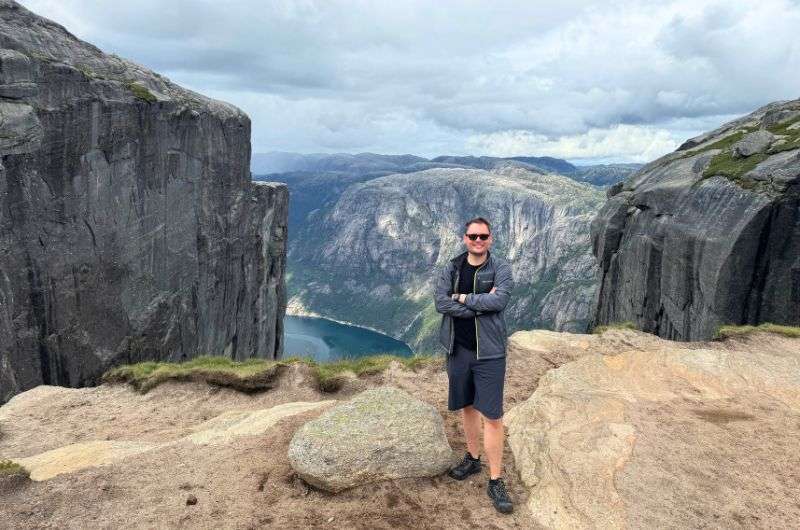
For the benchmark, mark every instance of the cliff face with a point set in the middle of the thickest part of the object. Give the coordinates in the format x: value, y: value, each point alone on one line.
x: 129, y: 227
x: 709, y: 234
x: 372, y: 256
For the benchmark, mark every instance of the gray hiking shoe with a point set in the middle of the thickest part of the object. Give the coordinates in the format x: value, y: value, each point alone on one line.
x: 468, y: 466
x: 497, y: 492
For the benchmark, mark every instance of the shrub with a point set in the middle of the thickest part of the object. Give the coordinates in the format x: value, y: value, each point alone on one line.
x: 724, y: 332
x: 598, y: 330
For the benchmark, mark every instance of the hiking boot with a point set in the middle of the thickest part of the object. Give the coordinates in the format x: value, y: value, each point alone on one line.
x: 468, y: 466
x: 497, y: 492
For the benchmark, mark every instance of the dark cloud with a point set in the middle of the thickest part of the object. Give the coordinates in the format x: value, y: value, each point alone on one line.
x: 455, y: 77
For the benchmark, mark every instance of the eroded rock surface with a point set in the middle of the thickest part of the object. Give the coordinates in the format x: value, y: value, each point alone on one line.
x: 648, y: 433
x: 129, y: 226
x: 380, y: 434
x: 707, y: 235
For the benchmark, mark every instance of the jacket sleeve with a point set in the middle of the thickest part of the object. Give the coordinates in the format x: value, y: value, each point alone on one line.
x: 498, y: 300
x: 441, y: 297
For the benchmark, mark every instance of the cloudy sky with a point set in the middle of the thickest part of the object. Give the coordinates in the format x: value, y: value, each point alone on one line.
x: 585, y: 81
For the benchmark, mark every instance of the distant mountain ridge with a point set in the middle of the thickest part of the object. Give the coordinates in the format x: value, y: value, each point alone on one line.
x: 377, y: 165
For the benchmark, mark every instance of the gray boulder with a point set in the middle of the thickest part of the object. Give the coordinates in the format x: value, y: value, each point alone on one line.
x: 752, y: 143
x: 380, y: 434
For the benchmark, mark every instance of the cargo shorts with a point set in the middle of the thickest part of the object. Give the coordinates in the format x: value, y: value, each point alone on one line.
x: 476, y: 382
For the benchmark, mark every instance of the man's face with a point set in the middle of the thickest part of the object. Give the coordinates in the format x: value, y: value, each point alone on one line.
x: 477, y: 246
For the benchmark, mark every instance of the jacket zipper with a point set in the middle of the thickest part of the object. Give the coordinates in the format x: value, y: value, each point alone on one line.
x: 452, y: 323
x: 477, y: 336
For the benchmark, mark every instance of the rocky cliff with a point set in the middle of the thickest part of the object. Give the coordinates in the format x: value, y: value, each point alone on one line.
x: 129, y: 226
x: 370, y: 258
x: 709, y: 234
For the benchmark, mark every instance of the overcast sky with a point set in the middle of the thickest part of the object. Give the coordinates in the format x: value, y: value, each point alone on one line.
x: 585, y: 81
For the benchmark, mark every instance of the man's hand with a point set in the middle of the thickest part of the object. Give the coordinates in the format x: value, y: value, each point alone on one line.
x: 462, y: 298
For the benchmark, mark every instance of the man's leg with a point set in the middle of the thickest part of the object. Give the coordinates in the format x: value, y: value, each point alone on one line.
x: 472, y: 429
x: 493, y: 439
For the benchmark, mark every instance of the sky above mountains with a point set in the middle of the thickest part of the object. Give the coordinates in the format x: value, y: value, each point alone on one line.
x: 583, y: 81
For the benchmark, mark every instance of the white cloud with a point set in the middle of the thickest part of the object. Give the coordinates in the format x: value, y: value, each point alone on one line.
x: 618, y: 143
x: 448, y: 78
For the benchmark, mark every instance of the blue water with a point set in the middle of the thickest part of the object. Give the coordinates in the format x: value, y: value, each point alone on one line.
x: 326, y: 340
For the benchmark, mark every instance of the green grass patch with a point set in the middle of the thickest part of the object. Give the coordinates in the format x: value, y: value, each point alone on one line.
x: 253, y: 375
x: 9, y: 468
x: 599, y: 330
x: 724, y: 332
x: 141, y: 92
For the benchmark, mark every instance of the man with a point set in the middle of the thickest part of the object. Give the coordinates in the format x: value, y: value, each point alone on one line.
x: 471, y: 293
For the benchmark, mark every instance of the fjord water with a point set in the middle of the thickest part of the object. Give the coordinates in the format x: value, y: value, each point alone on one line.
x: 326, y: 340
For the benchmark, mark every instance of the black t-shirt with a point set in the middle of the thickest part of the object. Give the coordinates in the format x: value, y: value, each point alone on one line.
x: 465, y: 327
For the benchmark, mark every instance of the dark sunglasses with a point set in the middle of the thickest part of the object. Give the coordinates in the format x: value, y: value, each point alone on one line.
x: 473, y: 237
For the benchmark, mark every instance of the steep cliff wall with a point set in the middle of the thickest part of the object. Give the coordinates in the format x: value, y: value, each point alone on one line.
x: 129, y: 227
x: 371, y: 257
x: 709, y: 234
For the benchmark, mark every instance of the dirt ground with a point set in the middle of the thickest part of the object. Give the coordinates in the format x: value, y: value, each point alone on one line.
x: 244, y: 484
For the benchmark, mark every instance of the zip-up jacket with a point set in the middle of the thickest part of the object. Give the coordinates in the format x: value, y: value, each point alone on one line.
x: 486, y: 307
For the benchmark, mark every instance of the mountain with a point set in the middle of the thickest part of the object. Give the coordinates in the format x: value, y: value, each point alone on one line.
x: 129, y: 226
x: 274, y: 165
x: 707, y: 235
x: 370, y: 255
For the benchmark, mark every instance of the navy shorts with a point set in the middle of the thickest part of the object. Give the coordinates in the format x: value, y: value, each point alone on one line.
x: 475, y: 382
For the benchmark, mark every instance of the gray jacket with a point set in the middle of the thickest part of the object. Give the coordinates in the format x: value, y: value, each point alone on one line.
x: 485, y: 306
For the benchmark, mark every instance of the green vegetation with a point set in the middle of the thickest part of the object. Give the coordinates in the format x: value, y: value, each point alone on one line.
x: 598, y: 330
x: 8, y: 468
x: 86, y: 71
x: 724, y: 332
x: 724, y: 163
x: 252, y: 375
x: 141, y: 92
x: 331, y: 375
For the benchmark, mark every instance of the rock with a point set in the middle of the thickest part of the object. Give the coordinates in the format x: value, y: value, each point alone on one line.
x: 682, y: 252
x: 647, y: 433
x: 752, y: 143
x: 191, y: 500
x: 231, y: 424
x: 130, y: 229
x: 75, y: 457
x: 380, y: 434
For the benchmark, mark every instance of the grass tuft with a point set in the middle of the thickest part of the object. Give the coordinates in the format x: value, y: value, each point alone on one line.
x: 9, y: 468
x: 724, y: 332
x: 254, y: 375
x: 141, y: 92
x: 599, y: 330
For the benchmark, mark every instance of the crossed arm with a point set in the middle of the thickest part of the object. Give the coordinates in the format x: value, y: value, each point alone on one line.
x: 497, y: 299
x: 470, y: 305
x: 444, y: 303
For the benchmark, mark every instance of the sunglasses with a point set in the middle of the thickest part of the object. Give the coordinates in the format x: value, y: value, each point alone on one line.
x: 473, y: 237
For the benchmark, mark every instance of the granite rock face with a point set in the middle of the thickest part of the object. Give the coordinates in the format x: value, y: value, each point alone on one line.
x: 129, y: 226
x: 708, y: 235
x: 383, y: 242
x: 641, y: 432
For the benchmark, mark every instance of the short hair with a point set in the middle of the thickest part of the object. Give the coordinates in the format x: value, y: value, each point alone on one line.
x: 479, y: 220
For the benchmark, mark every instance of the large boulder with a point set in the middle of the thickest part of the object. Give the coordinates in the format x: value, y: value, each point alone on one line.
x: 647, y: 433
x: 380, y: 434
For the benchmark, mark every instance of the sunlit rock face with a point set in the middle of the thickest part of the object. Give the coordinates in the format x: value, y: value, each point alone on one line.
x: 707, y: 235
x: 129, y: 227
x: 371, y: 257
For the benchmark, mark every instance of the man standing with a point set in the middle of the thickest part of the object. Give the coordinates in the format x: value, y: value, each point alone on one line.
x: 471, y: 293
